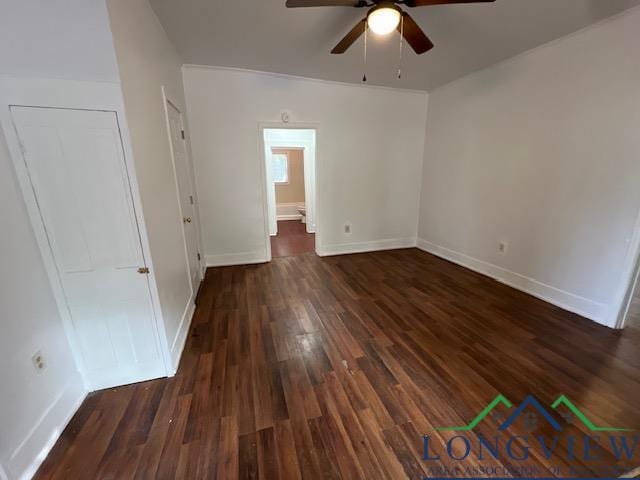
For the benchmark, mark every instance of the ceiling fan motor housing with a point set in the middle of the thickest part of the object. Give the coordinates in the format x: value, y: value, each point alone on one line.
x: 380, y: 5
x: 376, y: 3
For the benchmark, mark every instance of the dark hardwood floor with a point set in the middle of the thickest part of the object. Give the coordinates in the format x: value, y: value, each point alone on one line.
x: 331, y: 368
x: 292, y: 239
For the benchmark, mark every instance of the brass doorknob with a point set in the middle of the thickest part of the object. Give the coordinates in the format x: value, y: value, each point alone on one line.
x: 186, y: 219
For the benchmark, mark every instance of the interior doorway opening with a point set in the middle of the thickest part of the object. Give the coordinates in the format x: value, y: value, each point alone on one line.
x: 627, y: 312
x: 630, y: 315
x: 290, y: 177
x: 633, y: 315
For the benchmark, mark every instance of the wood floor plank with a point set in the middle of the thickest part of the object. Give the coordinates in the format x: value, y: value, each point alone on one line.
x: 228, y: 451
x: 288, y: 466
x: 248, y: 457
x: 267, y: 454
x: 173, y: 446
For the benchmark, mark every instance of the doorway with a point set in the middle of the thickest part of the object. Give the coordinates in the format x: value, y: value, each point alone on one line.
x: 627, y: 313
x: 630, y: 315
x: 290, y: 177
x: 633, y: 316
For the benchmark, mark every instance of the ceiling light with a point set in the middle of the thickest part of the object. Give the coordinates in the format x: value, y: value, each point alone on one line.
x: 383, y: 20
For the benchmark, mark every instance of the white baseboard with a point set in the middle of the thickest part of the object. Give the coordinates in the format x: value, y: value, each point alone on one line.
x: 243, y: 258
x: 566, y: 300
x: 288, y: 208
x: 33, y: 450
x: 292, y: 216
x: 179, y: 341
x: 288, y: 211
x: 361, y: 247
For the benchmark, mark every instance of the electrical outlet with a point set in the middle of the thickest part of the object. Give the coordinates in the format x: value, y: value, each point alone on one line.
x: 347, y: 228
x: 502, y: 247
x: 38, y: 361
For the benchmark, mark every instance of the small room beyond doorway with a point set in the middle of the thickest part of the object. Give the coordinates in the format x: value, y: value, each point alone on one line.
x: 287, y: 170
x: 290, y: 167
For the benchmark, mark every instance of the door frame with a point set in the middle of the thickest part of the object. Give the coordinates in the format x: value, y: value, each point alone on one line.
x: 262, y: 126
x: 81, y: 96
x: 630, y: 280
x: 196, y: 224
x: 305, y: 180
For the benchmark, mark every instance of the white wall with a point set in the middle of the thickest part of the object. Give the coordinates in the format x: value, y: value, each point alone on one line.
x: 147, y: 62
x: 370, y: 148
x: 541, y: 151
x: 38, y: 38
x: 71, y: 39
x: 34, y: 405
x: 56, y: 38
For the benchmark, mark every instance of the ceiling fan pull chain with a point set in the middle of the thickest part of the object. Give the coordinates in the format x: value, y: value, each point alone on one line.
x: 366, y: 28
x: 401, y: 41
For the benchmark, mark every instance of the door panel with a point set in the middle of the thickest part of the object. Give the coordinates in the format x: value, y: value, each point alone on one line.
x: 76, y: 166
x: 185, y: 191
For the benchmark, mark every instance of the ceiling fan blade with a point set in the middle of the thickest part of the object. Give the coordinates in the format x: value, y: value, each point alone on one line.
x: 350, y: 37
x: 422, y: 3
x: 414, y: 35
x: 322, y: 3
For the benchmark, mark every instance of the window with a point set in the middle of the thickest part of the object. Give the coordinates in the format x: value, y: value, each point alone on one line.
x: 280, y: 168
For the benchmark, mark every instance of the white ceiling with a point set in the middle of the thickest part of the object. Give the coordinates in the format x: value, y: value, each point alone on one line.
x: 264, y: 35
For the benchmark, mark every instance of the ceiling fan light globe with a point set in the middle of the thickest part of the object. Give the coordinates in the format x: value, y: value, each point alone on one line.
x: 383, y: 21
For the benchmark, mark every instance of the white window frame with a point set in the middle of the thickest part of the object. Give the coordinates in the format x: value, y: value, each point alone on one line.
x: 288, y: 169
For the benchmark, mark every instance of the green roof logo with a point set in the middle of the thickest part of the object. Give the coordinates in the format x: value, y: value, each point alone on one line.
x: 531, y: 401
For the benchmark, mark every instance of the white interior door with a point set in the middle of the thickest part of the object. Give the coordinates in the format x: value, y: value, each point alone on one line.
x: 76, y: 166
x: 185, y: 192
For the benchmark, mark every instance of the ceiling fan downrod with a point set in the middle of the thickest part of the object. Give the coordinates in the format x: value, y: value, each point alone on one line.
x: 364, y: 76
x: 401, y: 41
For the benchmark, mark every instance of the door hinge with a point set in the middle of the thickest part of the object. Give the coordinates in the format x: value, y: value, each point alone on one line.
x: 191, y: 199
x: 143, y: 271
x: 199, y: 257
x: 182, y: 133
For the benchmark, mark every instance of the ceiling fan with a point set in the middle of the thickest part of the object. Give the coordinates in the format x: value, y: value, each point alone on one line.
x: 383, y: 17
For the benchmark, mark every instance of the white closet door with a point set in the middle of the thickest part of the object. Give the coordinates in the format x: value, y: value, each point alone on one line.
x: 185, y: 192
x: 76, y: 165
